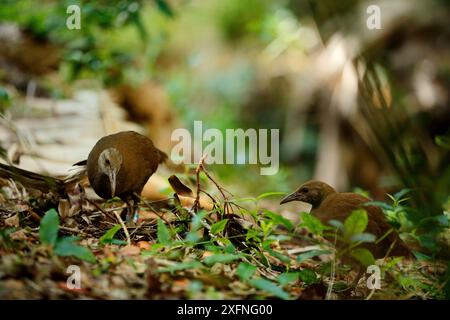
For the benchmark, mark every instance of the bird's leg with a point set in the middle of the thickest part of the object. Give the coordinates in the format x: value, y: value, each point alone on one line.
x: 133, y: 209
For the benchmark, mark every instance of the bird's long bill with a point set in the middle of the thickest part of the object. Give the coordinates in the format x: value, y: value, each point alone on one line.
x: 289, y: 198
x: 112, y: 180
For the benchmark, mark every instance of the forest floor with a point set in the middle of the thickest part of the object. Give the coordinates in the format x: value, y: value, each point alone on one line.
x: 179, y: 252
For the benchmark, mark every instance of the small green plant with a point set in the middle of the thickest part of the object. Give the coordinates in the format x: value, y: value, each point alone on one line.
x: 61, y: 246
x: 108, y: 236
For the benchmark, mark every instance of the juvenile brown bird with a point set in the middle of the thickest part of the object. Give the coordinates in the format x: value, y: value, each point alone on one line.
x: 328, y: 204
x: 120, y: 165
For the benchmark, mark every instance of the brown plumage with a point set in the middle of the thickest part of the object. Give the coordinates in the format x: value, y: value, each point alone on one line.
x: 328, y: 204
x: 120, y: 164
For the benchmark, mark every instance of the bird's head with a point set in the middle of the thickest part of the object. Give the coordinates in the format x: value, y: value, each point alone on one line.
x: 312, y: 192
x: 109, y: 163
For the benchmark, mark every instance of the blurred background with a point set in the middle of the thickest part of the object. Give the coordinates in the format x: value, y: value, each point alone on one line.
x: 365, y: 110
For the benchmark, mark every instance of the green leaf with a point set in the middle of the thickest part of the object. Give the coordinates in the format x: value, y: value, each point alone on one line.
x: 221, y: 258
x: 219, y: 226
x: 163, y: 233
x: 279, y: 219
x: 279, y: 256
x: 363, y: 237
x: 270, y: 287
x: 5, y: 240
x: 355, y: 223
x: 311, y: 254
x: 307, y: 276
x: 443, y: 141
x: 245, y: 271
x: 109, y: 235
x: 401, y: 193
x: 49, y: 227
x: 421, y: 256
x: 364, y: 256
x: 197, y: 220
x: 312, y: 223
x: 165, y: 8
x: 65, y: 247
x: 287, y: 277
x: 380, y: 204
x: 337, y: 224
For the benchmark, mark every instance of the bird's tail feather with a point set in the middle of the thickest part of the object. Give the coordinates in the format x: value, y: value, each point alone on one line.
x: 30, y: 179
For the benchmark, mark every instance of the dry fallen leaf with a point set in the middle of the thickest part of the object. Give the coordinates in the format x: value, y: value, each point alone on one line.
x: 18, y: 235
x: 13, y: 221
x: 130, y: 250
x: 144, y: 245
x: 179, y: 187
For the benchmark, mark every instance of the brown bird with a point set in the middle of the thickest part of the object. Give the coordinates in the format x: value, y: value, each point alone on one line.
x: 120, y: 165
x: 328, y: 204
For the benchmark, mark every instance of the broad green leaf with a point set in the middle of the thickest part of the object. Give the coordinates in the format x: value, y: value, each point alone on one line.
x: 355, y: 223
x: 307, y: 276
x: 109, y: 235
x: 311, y: 254
x: 279, y: 219
x: 363, y: 237
x: 221, y: 258
x: 287, y: 277
x: 245, y: 271
x: 337, y: 224
x: 270, y: 287
x: 163, y: 233
x: 312, y: 223
x: 219, y: 226
x: 364, y: 256
x: 66, y: 247
x: 49, y: 227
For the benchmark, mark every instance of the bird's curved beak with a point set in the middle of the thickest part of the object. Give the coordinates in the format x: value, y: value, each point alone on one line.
x: 292, y: 197
x: 112, y: 180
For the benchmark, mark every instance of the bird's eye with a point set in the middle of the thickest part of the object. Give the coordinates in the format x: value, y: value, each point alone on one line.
x: 304, y: 190
x: 107, y: 162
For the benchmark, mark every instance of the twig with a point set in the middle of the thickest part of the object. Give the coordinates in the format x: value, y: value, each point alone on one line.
x: 104, y: 211
x: 125, y: 230
x: 196, y: 204
x: 221, y: 190
x: 127, y: 235
x: 73, y: 230
x: 148, y: 205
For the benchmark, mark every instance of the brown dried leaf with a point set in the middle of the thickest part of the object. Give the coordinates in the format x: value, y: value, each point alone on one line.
x: 130, y: 250
x: 179, y: 187
x: 13, y: 221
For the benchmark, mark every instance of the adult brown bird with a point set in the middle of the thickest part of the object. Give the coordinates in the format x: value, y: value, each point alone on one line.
x: 328, y: 204
x: 120, y: 164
